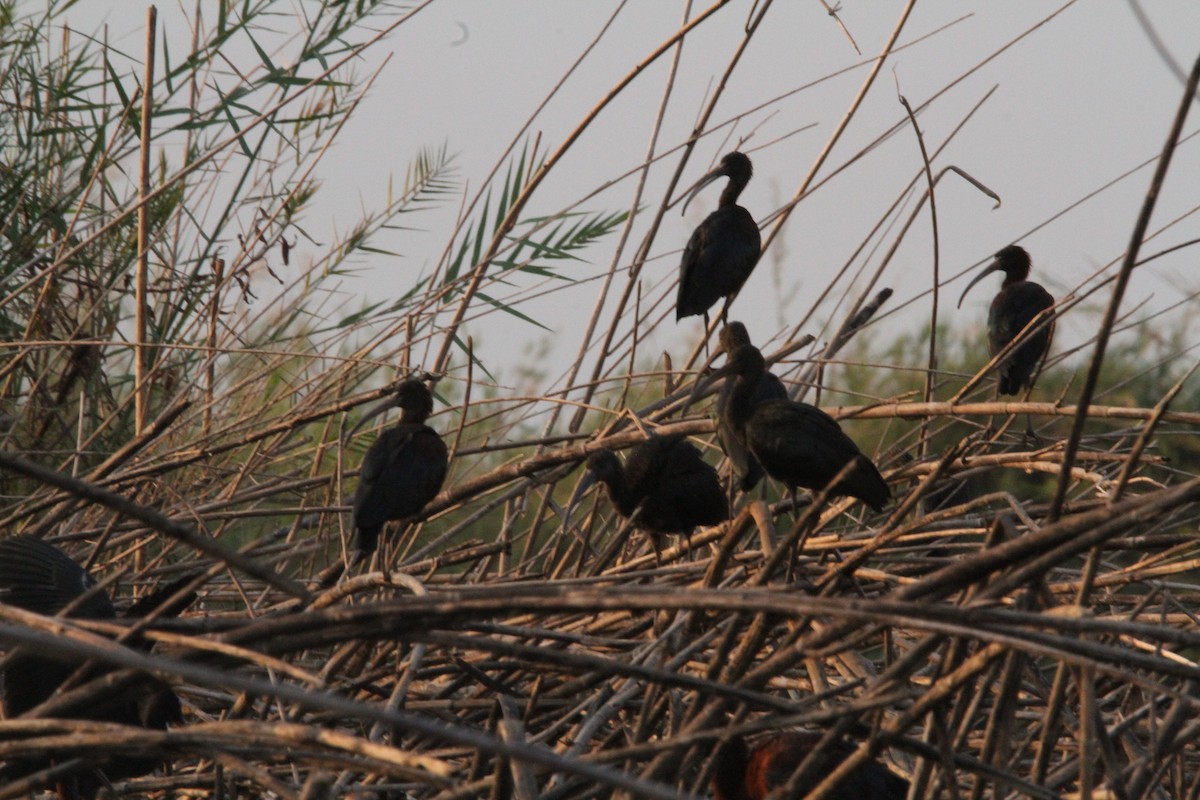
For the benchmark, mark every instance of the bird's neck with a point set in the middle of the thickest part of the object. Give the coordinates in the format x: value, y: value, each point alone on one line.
x: 729, y: 194
x: 740, y: 398
x: 620, y: 494
x: 1014, y: 276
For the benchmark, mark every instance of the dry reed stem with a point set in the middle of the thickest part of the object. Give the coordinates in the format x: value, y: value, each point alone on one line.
x: 964, y: 645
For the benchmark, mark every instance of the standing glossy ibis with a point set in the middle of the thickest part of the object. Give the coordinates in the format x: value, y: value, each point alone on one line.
x: 664, y: 481
x: 38, y: 577
x: 722, y: 251
x: 769, y: 387
x: 741, y: 772
x: 797, y: 444
x: 403, y: 469
x: 1014, y: 306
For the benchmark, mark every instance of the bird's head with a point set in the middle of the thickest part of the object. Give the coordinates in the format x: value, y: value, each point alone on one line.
x: 414, y: 400
x: 603, y: 465
x: 733, y: 336
x: 735, y: 166
x: 1012, y: 260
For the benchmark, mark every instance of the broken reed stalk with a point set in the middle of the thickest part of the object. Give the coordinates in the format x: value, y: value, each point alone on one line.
x: 141, y: 297
x: 1118, y: 292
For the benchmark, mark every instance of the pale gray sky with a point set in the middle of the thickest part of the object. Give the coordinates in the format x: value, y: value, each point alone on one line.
x: 1078, y: 101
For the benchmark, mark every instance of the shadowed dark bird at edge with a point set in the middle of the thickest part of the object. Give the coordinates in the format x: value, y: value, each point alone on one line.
x: 742, y: 772
x: 664, y: 480
x: 746, y: 468
x: 403, y: 469
x: 724, y: 248
x: 1017, y: 303
x: 795, y: 443
x: 38, y: 577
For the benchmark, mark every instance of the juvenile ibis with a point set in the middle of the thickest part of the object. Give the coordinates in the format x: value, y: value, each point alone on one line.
x: 1014, y: 306
x: 665, y: 481
x: 38, y: 577
x: 722, y: 251
x: 403, y: 469
x: 795, y: 443
x: 769, y: 387
x: 742, y: 772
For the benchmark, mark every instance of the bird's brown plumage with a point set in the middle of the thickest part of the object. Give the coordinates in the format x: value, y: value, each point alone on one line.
x: 745, y: 772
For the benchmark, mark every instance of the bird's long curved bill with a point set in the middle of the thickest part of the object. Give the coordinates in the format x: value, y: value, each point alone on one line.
x: 988, y: 270
x: 589, y: 480
x: 375, y: 411
x: 700, y: 184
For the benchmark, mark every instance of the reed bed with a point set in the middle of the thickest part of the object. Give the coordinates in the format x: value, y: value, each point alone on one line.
x: 1018, y: 622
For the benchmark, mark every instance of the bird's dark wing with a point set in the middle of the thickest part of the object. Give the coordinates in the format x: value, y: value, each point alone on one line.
x: 801, y: 445
x: 718, y: 258
x: 402, y: 471
x: 1011, y: 310
x: 694, y: 295
x: 38, y: 577
x: 738, y: 249
x: 692, y: 488
x: 745, y: 466
x: 673, y: 485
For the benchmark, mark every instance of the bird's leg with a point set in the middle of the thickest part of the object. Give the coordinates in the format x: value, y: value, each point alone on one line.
x: 990, y: 433
x: 657, y: 551
x: 1031, y: 436
x: 706, y: 356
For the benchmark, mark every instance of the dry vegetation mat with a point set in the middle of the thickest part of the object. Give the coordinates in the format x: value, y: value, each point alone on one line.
x: 182, y: 365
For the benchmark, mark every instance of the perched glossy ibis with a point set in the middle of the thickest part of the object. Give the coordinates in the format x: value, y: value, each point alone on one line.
x: 664, y: 481
x: 38, y: 577
x: 795, y: 443
x: 403, y: 469
x: 1014, y: 306
x: 741, y: 772
x: 745, y: 467
x: 722, y: 251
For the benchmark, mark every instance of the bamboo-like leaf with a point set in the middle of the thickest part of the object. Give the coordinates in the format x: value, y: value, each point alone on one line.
x: 508, y: 309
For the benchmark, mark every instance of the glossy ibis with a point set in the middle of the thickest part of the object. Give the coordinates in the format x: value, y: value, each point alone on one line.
x: 403, y: 469
x: 1014, y: 306
x: 741, y: 772
x: 38, y: 577
x: 722, y: 251
x: 664, y: 481
x: 795, y: 443
x: 745, y: 467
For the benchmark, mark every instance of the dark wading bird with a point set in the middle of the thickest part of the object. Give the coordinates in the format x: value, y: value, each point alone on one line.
x: 403, y: 469
x: 1014, y: 306
x: 741, y: 772
x: 39, y: 577
x: 664, y: 481
x: 723, y: 249
x: 795, y: 443
x: 745, y: 468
